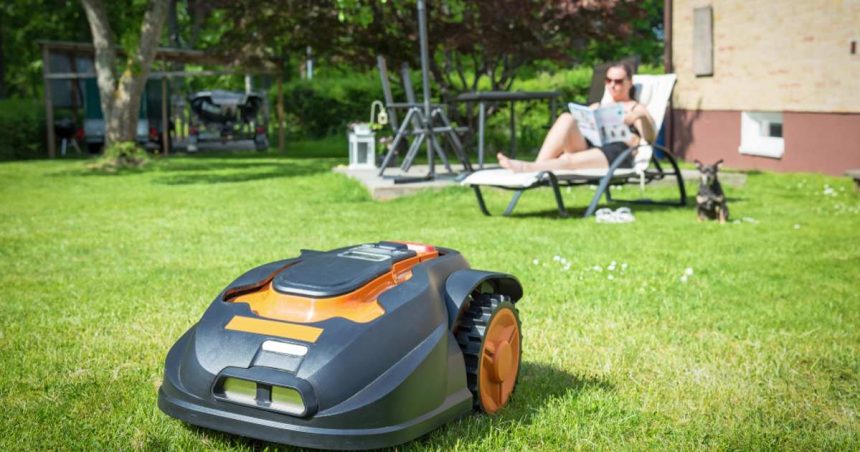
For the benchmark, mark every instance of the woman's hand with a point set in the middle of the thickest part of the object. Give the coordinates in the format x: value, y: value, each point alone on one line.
x: 633, y: 141
x: 632, y: 116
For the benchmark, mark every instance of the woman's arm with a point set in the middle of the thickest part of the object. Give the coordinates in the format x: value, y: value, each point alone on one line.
x: 643, y: 122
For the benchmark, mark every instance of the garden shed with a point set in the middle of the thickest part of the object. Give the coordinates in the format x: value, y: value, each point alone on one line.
x: 69, y: 81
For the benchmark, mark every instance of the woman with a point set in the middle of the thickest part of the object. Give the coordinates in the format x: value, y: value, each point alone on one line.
x: 564, y: 146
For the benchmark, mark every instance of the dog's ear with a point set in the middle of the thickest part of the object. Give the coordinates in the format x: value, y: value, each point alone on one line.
x: 698, y: 164
x: 719, y: 162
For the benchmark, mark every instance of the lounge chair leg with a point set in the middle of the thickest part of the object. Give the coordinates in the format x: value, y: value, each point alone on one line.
x: 559, y: 202
x: 513, y: 203
x: 681, y: 189
x: 596, y: 199
x: 603, y: 187
x: 480, y: 197
x: 608, y: 193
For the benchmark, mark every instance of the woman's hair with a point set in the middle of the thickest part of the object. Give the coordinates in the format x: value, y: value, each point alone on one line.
x: 628, y: 71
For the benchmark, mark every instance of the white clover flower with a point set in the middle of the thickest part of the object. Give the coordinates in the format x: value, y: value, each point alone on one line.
x: 610, y: 277
x: 797, y: 226
x: 684, y: 279
x: 688, y: 271
x: 597, y: 268
x: 535, y: 261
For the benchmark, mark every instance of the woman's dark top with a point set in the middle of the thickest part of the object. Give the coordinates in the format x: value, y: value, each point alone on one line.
x: 612, y: 150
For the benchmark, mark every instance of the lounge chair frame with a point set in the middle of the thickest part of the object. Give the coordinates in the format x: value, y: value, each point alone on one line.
x: 603, y: 183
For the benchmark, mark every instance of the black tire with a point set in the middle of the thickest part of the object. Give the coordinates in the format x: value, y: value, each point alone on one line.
x: 94, y: 148
x: 471, y: 336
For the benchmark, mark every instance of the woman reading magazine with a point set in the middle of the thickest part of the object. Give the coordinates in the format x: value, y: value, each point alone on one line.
x: 564, y: 146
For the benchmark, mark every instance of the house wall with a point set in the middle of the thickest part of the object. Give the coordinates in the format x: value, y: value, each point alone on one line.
x: 786, y: 56
x: 774, y: 55
x: 814, y: 142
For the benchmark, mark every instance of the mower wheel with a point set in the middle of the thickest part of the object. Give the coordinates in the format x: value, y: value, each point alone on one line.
x: 489, y: 336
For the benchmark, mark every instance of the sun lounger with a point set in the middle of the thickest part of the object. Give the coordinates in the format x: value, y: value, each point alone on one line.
x: 654, y: 92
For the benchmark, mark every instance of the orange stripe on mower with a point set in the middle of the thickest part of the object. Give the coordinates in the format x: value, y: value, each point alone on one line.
x: 360, y: 305
x: 272, y: 328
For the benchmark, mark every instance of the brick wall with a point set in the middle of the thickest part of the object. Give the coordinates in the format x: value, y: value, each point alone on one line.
x: 772, y: 55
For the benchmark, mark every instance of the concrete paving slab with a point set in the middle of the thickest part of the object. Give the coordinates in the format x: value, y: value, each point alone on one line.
x: 384, y: 188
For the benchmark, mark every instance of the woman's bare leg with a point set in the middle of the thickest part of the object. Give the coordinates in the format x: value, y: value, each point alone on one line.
x: 562, y: 137
x: 589, y: 158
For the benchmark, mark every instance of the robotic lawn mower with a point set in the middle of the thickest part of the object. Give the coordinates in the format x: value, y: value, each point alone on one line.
x: 360, y: 347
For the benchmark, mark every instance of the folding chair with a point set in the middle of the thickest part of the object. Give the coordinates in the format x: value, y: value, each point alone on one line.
x: 438, y: 121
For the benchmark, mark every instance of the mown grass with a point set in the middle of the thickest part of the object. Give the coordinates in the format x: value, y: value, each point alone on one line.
x: 758, y: 349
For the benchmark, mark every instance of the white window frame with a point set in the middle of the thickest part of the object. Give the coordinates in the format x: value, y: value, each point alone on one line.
x: 755, y: 140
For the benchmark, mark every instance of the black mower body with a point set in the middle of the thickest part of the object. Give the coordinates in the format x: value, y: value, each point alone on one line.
x: 363, y: 384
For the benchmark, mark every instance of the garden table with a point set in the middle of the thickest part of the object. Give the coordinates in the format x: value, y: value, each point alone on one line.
x: 485, y: 97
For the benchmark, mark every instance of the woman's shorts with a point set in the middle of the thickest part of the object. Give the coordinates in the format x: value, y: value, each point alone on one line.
x: 612, y: 150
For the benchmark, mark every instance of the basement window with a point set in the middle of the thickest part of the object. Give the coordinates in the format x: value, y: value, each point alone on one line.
x: 761, y: 134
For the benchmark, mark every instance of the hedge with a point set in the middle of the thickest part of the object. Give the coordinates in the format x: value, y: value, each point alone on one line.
x: 325, y: 105
x: 22, y: 129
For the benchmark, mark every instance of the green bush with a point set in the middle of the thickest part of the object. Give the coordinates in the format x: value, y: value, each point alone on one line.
x: 325, y: 106
x: 22, y: 129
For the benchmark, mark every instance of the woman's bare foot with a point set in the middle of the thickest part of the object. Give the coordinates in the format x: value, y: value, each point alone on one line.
x: 516, y: 166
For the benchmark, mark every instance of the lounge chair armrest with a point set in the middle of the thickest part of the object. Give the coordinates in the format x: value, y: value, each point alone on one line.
x: 662, y: 148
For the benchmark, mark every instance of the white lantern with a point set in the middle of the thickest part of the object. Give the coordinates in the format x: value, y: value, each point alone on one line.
x: 362, y: 146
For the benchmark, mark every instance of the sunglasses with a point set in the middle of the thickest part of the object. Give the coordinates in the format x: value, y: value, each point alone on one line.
x: 615, y: 81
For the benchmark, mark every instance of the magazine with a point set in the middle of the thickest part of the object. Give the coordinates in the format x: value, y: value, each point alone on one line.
x: 601, y: 126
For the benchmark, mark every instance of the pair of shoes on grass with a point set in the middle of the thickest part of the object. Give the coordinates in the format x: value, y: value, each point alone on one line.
x: 622, y: 215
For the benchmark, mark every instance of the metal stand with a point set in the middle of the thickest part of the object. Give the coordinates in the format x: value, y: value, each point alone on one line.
x: 421, y: 118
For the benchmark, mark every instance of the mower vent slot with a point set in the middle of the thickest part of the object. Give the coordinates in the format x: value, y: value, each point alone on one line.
x: 373, y: 257
x: 261, y: 395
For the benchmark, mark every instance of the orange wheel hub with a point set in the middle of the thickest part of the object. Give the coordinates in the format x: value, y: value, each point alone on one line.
x: 499, y: 360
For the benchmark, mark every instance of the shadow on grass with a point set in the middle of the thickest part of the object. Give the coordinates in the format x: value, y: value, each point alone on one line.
x: 216, y: 172
x: 578, y: 211
x: 216, y: 168
x: 538, y: 386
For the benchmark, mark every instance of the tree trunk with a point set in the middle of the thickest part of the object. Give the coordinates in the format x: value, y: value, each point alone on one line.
x: 120, y: 98
x: 173, y: 26
x: 2, y: 63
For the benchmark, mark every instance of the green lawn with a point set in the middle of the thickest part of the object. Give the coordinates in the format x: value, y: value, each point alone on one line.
x: 758, y: 349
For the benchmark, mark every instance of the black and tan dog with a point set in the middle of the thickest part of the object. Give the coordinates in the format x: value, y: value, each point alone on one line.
x: 710, y: 201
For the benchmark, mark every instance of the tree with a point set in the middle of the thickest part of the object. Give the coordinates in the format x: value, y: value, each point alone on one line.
x: 120, y: 95
x: 22, y: 23
x: 473, y: 43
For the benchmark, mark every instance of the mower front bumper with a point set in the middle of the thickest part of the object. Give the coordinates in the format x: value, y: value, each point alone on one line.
x: 338, y: 427
x: 238, y: 421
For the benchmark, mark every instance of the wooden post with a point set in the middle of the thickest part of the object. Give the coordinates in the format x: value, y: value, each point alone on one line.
x: 74, y: 85
x: 165, y: 122
x: 281, y: 121
x: 49, y: 102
